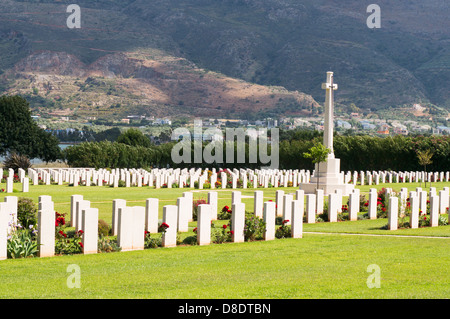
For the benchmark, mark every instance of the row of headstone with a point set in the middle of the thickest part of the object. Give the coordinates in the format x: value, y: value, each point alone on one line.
x: 418, y: 200
x: 159, y: 178
x: 129, y: 223
x: 377, y: 177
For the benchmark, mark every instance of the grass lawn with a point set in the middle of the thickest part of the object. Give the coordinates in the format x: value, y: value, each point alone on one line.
x: 332, y: 265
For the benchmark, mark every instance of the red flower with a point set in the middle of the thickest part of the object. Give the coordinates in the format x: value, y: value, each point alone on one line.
x: 60, y: 221
x: 62, y: 233
x: 81, y: 244
x: 285, y: 221
x: 81, y: 232
x: 195, y: 230
x: 224, y: 226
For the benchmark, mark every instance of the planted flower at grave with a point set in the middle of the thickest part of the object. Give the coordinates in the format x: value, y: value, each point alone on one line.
x: 284, y: 231
x: 163, y: 228
x: 225, y: 213
x: 221, y: 235
x: 67, y: 242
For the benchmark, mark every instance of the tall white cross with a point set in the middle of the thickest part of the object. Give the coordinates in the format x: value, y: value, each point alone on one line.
x: 329, y: 86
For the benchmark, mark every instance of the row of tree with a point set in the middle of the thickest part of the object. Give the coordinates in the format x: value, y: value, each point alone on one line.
x: 356, y: 153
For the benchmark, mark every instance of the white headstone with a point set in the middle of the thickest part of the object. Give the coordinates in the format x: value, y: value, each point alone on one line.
x: 443, y: 200
x: 4, y: 227
x: 204, y: 224
x: 138, y: 228
x: 297, y: 219
x: 434, y: 211
x: 287, y: 209
x: 81, y: 205
x: 269, y: 219
x: 89, y: 218
x: 124, y: 228
x: 279, y: 198
x: 319, y: 201
x: 333, y: 208
x: 151, y: 215
x: 393, y: 213
x: 46, y: 227
x: 73, y: 208
x: 414, y: 216
x: 373, y: 199
x: 235, y: 197
x: 25, y: 185
x: 238, y: 222
x: 11, y: 206
x: 169, y: 238
x: 213, y: 201
x: 353, y: 207
x: 310, y: 208
x: 258, y: 200
x: 182, y: 214
x: 9, y: 184
x: 190, y: 203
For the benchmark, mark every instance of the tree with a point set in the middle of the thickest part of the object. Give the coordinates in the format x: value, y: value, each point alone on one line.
x: 134, y: 137
x: 425, y: 159
x: 20, y: 134
x: 318, y: 153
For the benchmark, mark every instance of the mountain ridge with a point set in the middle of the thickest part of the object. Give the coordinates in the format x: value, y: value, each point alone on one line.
x: 273, y: 43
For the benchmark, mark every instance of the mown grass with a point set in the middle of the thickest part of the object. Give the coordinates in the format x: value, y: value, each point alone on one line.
x: 316, y: 266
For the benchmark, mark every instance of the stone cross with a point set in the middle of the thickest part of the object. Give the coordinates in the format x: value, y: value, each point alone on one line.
x: 329, y: 86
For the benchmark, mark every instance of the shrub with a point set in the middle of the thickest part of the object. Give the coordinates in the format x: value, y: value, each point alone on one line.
x: 284, y: 231
x: 66, y: 242
x: 103, y: 228
x: 221, y: 235
x: 442, y: 221
x: 424, y: 221
x: 107, y: 245
x: 225, y: 213
x: 22, y: 242
x: 190, y: 240
x: 152, y: 242
x: 26, y: 212
x: 16, y: 161
x: 254, y: 228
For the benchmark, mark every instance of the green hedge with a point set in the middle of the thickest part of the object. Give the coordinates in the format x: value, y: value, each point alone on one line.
x: 396, y: 153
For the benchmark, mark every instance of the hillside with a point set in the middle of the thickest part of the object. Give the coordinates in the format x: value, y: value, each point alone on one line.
x: 139, y: 82
x: 155, y: 56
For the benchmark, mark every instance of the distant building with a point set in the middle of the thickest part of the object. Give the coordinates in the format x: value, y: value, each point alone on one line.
x: 443, y: 130
x: 162, y: 122
x: 343, y: 124
x: 400, y: 131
